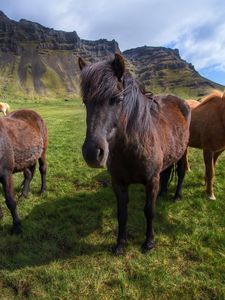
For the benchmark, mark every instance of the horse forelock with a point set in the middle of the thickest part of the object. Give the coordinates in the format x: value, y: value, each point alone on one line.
x: 98, y: 82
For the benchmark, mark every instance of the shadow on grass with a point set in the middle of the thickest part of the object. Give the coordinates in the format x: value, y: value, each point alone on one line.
x: 77, y: 226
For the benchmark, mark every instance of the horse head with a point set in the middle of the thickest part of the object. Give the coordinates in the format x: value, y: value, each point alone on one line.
x: 102, y: 91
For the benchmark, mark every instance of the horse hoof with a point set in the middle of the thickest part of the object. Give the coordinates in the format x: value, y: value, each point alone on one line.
x: 16, y: 229
x: 41, y: 192
x: 22, y: 196
x: 162, y: 194
x: 212, y: 197
x: 118, y: 250
x: 148, y: 246
x: 177, y: 198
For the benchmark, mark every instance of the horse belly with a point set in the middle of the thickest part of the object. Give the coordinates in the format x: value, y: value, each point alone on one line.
x: 175, y: 148
x: 26, y: 157
x: 172, y: 157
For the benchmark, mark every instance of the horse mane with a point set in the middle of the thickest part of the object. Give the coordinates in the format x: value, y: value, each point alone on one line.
x: 138, y: 110
x: 212, y: 96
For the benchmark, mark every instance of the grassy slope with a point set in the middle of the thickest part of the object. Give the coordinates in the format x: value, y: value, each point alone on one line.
x: 64, y: 252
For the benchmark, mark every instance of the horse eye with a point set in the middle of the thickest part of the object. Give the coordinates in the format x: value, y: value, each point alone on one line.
x: 116, y: 100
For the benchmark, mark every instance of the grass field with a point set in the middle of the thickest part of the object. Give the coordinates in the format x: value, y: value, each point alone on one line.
x: 65, y: 249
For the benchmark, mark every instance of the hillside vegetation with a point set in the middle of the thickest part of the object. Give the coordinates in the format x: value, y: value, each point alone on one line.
x: 65, y: 249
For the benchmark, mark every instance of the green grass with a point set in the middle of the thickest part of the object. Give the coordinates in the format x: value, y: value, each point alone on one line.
x: 65, y: 249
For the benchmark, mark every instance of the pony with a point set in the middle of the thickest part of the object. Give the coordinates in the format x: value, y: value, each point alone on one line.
x: 135, y: 136
x: 23, y: 141
x: 207, y: 132
x: 4, y: 108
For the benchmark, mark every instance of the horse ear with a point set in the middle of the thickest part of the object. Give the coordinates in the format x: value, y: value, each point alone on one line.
x: 118, y: 65
x: 81, y: 63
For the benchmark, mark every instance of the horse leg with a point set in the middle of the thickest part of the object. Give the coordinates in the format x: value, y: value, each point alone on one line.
x: 1, y: 213
x: 164, y: 179
x: 181, y: 170
x: 187, y: 165
x: 42, y: 169
x: 209, y: 173
x: 11, y: 202
x: 121, y: 192
x: 152, y: 188
x: 28, y: 175
x: 216, y: 156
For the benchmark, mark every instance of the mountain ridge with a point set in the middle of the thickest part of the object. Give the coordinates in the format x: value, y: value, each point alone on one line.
x: 37, y: 61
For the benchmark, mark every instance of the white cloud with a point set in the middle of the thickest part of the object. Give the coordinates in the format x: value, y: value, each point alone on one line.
x: 204, y: 49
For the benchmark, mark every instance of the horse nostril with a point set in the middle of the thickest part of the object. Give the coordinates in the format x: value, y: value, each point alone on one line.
x: 100, y: 154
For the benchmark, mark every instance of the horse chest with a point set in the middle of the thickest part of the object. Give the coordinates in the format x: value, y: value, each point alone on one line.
x: 131, y: 167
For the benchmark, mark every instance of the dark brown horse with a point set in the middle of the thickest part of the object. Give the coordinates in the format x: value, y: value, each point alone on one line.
x: 137, y: 137
x: 23, y: 141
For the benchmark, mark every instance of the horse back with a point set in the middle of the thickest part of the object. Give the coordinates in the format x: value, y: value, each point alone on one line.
x: 34, y: 120
x: 176, y: 106
x: 21, y: 144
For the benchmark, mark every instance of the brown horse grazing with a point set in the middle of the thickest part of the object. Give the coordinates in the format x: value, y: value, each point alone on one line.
x: 207, y: 132
x: 23, y: 141
x: 137, y: 137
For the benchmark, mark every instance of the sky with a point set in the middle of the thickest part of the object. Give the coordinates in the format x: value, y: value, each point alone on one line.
x: 195, y: 27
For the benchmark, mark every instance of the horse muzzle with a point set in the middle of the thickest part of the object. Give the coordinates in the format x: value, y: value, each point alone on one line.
x: 95, y: 153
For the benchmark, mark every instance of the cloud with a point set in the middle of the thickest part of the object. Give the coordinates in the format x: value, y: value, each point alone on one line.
x: 204, y: 45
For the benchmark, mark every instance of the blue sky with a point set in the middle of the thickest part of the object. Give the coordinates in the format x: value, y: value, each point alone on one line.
x: 195, y: 27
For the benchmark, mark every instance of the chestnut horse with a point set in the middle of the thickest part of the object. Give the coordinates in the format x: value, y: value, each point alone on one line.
x: 4, y: 108
x: 137, y: 137
x: 207, y: 132
x: 23, y: 141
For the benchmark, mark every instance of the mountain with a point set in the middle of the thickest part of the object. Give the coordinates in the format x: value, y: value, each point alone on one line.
x: 36, y: 61
x: 162, y: 70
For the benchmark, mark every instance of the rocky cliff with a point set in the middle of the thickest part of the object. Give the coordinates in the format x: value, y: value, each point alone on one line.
x: 162, y: 70
x: 36, y: 61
